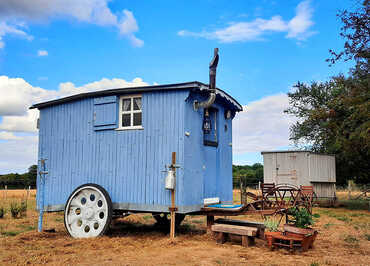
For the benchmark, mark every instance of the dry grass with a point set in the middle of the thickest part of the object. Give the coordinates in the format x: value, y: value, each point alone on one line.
x: 16, y: 193
x: 343, y: 194
x: 343, y: 240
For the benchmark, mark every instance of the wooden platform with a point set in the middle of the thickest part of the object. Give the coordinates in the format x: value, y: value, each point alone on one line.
x: 222, y: 231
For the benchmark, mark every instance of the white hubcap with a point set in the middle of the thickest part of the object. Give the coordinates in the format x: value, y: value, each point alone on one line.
x: 86, y: 213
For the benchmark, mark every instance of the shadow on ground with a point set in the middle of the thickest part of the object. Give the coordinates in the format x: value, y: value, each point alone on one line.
x: 124, y: 228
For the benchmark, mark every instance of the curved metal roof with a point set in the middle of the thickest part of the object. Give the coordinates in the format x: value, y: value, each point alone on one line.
x: 177, y: 86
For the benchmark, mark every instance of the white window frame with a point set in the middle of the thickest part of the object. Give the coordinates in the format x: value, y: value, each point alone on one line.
x: 131, y: 112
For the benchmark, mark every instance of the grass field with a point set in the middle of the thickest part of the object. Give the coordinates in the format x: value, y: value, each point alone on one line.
x: 344, y: 239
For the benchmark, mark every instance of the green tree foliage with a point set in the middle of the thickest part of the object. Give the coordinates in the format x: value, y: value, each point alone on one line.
x: 334, y: 116
x: 15, y: 180
x: 249, y: 174
x: 356, y: 32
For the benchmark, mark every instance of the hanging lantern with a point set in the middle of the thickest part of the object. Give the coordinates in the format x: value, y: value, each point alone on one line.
x: 207, y: 126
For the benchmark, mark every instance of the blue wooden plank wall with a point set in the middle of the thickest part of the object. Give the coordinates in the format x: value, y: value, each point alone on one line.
x: 127, y: 164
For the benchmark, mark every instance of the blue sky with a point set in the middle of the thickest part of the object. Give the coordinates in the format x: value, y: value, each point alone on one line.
x: 67, y: 47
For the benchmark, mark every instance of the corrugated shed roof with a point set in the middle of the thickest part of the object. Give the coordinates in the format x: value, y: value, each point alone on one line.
x: 177, y: 86
x: 291, y: 151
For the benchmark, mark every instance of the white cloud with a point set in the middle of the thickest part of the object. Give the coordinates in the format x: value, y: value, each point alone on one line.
x: 297, y: 27
x: 68, y: 88
x: 12, y: 29
x: 128, y: 23
x: 18, y: 95
x: 262, y: 125
x: 88, y: 11
x: 128, y: 26
x: 8, y: 136
x: 42, y: 53
x: 24, y: 123
x: 18, y: 154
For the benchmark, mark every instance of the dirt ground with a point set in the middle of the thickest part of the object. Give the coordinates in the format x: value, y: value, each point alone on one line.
x: 344, y: 239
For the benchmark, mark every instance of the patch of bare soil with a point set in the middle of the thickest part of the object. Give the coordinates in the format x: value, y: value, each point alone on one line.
x: 343, y: 240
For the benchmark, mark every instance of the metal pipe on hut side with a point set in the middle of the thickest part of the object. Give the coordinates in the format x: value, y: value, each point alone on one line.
x: 171, y: 185
x: 42, y: 174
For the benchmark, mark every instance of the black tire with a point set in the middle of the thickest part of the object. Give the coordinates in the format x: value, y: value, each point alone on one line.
x: 107, y: 198
x: 164, y: 220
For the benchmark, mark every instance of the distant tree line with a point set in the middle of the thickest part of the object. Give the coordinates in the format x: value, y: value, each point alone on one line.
x: 249, y: 174
x: 15, y: 180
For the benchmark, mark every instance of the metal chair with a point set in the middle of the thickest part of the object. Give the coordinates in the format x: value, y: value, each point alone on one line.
x: 267, y: 190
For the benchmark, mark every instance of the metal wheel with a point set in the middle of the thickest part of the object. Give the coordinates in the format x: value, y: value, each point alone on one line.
x: 283, y: 197
x: 88, y: 211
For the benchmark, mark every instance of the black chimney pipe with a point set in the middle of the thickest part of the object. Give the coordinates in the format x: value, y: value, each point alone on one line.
x: 212, y: 71
x: 212, y: 84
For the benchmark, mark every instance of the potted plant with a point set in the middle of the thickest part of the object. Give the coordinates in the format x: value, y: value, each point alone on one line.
x: 302, y: 220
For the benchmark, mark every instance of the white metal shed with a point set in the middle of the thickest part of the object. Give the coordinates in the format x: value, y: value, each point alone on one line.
x: 301, y: 168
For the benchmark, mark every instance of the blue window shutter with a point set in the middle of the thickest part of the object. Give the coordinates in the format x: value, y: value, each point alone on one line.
x: 105, y: 113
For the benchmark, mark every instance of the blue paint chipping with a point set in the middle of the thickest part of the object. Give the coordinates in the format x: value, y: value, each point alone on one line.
x: 81, y: 144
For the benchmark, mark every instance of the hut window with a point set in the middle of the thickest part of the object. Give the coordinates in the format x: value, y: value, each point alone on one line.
x: 210, y: 132
x: 130, y: 114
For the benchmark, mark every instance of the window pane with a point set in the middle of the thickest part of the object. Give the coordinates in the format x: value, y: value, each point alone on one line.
x: 137, y: 119
x: 126, y: 120
x: 126, y: 105
x: 137, y: 103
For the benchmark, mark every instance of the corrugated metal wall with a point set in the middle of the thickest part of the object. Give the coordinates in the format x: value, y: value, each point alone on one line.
x: 288, y: 168
x: 301, y: 168
x: 127, y: 163
x: 324, y: 190
x: 322, y: 168
x: 269, y: 165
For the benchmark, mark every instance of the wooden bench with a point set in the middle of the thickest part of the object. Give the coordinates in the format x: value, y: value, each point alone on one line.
x: 222, y: 231
x: 260, y: 226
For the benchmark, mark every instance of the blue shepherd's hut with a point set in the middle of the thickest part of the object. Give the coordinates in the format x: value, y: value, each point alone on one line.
x: 106, y: 153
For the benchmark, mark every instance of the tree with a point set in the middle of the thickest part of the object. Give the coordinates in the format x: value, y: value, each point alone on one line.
x: 356, y: 32
x: 32, y: 174
x: 20, y: 181
x: 334, y: 116
x: 334, y: 119
x: 249, y: 174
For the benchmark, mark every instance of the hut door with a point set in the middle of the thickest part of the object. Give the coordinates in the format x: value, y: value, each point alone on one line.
x: 210, y: 172
x: 211, y: 156
x: 286, y: 168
